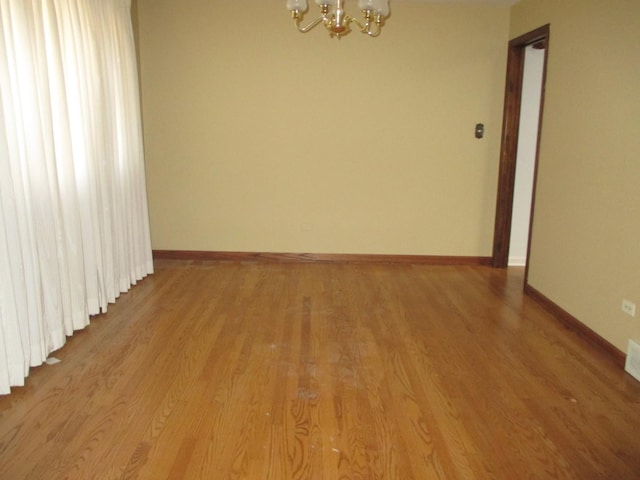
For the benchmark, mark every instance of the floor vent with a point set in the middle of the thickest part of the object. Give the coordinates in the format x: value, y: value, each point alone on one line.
x: 632, y: 365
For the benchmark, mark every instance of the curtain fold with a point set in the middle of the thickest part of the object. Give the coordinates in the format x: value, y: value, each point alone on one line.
x: 73, y: 206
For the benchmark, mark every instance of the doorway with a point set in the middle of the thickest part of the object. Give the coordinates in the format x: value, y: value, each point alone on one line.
x: 513, y: 108
x: 526, y: 155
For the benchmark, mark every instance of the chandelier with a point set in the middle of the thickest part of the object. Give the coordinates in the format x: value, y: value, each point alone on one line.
x: 337, y: 21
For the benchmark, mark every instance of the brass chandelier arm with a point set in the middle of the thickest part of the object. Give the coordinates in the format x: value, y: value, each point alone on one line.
x: 366, y: 27
x: 306, y: 28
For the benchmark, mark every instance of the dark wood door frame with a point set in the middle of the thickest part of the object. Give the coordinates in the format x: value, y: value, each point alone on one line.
x: 509, y: 145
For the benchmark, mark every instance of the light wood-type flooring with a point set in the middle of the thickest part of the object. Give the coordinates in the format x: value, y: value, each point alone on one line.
x: 324, y: 371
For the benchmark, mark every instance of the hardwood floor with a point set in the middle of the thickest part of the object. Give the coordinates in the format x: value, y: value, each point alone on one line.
x: 315, y: 371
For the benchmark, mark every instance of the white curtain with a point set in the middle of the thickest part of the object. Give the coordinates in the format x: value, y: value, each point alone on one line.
x: 74, y: 229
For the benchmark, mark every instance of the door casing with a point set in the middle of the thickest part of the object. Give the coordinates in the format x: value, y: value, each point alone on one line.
x: 509, y: 143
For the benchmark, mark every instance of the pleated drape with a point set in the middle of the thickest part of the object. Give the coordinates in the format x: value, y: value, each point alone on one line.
x: 74, y: 230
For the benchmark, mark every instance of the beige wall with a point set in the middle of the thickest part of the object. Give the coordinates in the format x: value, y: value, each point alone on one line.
x: 262, y: 139
x: 259, y: 138
x: 585, y: 245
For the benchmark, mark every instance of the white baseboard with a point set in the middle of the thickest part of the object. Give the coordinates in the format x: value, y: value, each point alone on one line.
x: 517, y: 261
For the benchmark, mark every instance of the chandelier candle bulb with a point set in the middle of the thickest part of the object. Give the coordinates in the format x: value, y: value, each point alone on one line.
x: 379, y: 7
x: 366, y: 4
x: 297, y: 5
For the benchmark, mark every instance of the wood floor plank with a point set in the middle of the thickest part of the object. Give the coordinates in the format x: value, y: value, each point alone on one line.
x: 240, y: 370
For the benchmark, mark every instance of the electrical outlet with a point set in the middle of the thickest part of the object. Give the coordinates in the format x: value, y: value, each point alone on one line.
x: 629, y: 307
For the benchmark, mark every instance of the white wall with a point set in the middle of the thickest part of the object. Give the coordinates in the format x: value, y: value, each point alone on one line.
x: 525, y: 161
